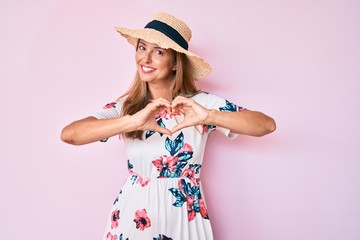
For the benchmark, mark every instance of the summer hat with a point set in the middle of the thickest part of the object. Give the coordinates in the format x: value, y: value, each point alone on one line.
x: 168, y: 32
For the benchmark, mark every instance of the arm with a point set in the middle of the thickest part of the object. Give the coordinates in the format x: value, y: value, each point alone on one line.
x: 243, y: 122
x: 246, y: 122
x: 91, y: 129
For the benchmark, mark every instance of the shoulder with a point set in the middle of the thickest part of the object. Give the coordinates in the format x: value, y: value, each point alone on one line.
x: 205, y: 98
x: 121, y: 99
x: 119, y: 102
x: 201, y: 96
x: 115, y: 105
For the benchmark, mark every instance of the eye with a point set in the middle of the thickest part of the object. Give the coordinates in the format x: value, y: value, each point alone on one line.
x: 159, y: 52
x: 141, y: 47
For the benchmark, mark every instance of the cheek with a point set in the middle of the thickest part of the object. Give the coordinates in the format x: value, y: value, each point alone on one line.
x: 137, y: 57
x: 167, y: 64
x: 171, y: 66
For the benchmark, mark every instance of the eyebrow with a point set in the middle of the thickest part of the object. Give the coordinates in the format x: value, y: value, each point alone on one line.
x: 141, y: 42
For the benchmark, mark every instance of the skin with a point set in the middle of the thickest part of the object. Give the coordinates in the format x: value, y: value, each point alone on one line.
x: 155, y: 66
x: 245, y: 122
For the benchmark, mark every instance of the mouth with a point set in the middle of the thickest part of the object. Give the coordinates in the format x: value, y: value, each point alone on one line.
x: 146, y: 69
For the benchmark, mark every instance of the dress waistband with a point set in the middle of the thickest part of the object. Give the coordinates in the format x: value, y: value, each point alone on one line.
x: 170, y: 168
x: 187, y: 174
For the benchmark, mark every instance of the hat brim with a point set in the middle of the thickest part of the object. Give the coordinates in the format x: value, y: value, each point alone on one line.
x: 199, y: 67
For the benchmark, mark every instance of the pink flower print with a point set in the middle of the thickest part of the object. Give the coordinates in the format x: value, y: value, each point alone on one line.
x: 142, y: 220
x: 191, y: 195
x: 180, y: 186
x: 206, y: 128
x: 143, y: 181
x: 165, y: 114
x: 190, y: 173
x: 203, y: 210
x: 115, y: 216
x: 110, y: 105
x: 162, y: 114
x: 109, y: 236
x: 166, y: 164
x: 176, y: 112
x: 186, y: 148
x: 190, y: 207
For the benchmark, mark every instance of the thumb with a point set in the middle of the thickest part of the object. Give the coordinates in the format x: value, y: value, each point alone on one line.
x: 164, y: 131
x: 178, y: 127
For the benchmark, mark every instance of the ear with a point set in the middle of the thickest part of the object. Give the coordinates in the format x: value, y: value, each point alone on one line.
x: 174, y: 67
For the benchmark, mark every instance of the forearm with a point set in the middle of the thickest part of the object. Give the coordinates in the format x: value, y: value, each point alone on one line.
x: 243, y: 122
x: 90, y: 129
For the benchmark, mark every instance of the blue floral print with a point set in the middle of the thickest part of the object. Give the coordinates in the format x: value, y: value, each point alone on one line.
x: 163, y: 114
x: 229, y: 107
x: 162, y: 237
x: 136, y: 178
x: 166, y: 168
x: 149, y: 133
x: 121, y: 237
x: 173, y: 165
x: 189, y: 193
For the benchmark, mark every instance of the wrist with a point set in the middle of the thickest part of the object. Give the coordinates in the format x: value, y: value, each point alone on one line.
x: 210, y: 120
x: 131, y: 123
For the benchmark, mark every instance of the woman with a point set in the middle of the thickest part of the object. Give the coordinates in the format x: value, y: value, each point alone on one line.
x: 165, y: 122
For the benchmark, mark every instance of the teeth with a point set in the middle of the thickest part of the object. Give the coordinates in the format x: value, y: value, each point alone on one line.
x: 147, y: 69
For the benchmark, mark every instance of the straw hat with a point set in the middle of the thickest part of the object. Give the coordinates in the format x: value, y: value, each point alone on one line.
x: 168, y: 32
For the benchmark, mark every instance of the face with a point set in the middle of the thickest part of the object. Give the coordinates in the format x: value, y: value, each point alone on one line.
x: 154, y: 64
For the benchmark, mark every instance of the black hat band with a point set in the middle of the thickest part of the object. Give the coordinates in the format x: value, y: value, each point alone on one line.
x: 168, y: 31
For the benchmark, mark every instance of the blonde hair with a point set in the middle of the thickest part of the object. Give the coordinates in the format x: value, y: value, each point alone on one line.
x: 138, y: 96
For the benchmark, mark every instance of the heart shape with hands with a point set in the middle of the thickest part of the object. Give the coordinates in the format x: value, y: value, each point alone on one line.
x: 193, y: 113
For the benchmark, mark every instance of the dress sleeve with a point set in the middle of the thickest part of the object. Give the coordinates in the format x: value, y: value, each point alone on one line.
x: 223, y: 105
x: 110, y: 110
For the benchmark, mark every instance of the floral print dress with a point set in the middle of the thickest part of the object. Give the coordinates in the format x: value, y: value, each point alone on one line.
x: 162, y: 198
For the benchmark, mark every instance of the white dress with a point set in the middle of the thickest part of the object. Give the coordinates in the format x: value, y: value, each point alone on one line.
x: 162, y: 198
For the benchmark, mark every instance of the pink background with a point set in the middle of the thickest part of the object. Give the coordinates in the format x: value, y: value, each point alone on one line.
x: 298, y: 61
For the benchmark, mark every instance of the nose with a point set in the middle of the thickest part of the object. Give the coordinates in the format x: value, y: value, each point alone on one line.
x: 148, y: 57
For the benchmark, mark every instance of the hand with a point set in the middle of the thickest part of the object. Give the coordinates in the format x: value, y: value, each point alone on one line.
x: 194, y: 113
x: 145, y: 118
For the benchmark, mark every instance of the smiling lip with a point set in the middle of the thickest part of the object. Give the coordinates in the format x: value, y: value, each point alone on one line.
x: 147, y: 69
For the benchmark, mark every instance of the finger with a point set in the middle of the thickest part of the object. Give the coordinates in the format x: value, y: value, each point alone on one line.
x: 177, y: 106
x: 161, y: 100
x: 161, y: 103
x: 156, y: 105
x: 178, y: 101
x: 164, y: 131
x: 176, y: 110
x: 183, y: 102
x: 179, y: 98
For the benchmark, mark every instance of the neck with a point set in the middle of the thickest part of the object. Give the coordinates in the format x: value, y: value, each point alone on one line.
x: 160, y: 91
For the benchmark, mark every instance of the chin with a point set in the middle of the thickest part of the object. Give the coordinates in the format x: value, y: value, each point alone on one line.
x: 145, y: 79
